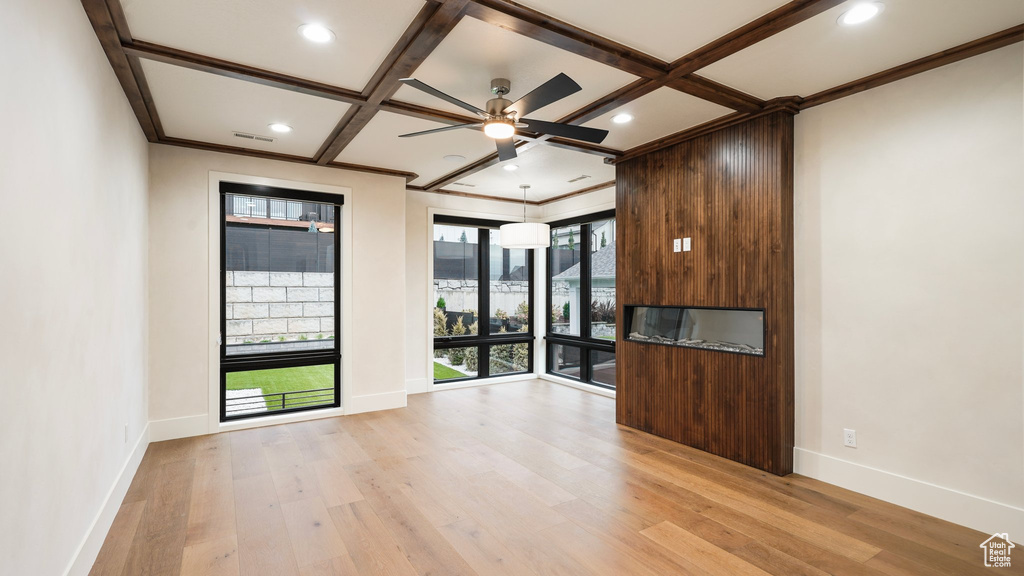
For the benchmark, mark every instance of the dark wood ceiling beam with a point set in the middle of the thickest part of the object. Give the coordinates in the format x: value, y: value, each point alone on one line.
x: 445, y: 192
x: 430, y: 27
x: 533, y: 24
x: 198, y: 62
x: 610, y: 102
x: 979, y: 46
x: 766, y: 26
x: 103, y: 23
x: 587, y: 190
x: 718, y: 93
x: 195, y: 145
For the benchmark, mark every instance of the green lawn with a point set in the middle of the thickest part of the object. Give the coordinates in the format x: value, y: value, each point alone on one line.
x: 442, y: 372
x: 280, y: 380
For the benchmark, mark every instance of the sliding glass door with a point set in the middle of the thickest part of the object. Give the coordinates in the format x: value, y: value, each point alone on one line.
x: 581, y: 293
x: 482, y: 293
x: 280, y: 301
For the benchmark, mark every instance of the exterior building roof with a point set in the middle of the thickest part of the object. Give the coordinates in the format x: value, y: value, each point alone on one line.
x: 602, y: 265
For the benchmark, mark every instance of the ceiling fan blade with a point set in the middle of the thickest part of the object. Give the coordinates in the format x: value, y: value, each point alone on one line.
x: 437, y: 93
x: 506, y: 149
x: 567, y: 130
x: 445, y: 129
x: 551, y: 91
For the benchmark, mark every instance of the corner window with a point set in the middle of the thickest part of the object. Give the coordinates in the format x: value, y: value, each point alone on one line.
x: 482, y: 321
x: 581, y: 293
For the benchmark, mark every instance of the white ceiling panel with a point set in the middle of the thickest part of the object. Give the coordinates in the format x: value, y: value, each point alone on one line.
x: 545, y: 168
x: 660, y: 113
x: 475, y: 52
x: 264, y: 33
x: 820, y: 54
x: 664, y: 29
x: 378, y: 144
x: 208, y: 108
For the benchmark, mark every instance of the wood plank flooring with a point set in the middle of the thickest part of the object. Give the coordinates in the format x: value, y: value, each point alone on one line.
x: 526, y: 478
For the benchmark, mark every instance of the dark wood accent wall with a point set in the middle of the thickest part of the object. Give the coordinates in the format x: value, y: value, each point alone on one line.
x: 731, y: 191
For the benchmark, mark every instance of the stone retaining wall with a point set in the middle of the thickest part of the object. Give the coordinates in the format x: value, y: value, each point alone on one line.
x: 278, y: 306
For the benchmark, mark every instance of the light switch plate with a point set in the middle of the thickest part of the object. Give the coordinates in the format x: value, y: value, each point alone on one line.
x: 677, y: 245
x: 686, y: 245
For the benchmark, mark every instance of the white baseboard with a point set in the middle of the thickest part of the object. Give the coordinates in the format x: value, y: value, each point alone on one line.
x: 81, y: 563
x: 579, y: 385
x: 485, y: 382
x: 945, y: 503
x: 374, y: 402
x: 417, y: 385
x: 174, y: 428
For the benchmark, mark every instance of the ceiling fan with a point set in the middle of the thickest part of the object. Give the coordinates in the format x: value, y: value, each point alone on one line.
x: 502, y: 116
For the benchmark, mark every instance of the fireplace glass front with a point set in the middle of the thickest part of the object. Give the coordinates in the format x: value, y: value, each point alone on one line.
x: 724, y: 329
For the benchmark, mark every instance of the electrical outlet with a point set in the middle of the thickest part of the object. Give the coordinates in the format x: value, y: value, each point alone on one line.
x: 677, y: 245
x: 849, y: 438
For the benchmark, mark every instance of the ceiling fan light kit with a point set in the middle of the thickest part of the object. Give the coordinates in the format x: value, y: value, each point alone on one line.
x: 525, y: 235
x: 502, y: 116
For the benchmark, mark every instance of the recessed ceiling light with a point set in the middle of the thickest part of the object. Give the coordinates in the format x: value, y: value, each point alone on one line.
x: 316, y: 33
x: 861, y: 13
x: 455, y: 158
x: 622, y: 118
x: 511, y: 167
x: 280, y: 128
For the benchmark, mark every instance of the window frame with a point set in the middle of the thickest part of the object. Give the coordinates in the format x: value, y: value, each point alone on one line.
x: 585, y: 341
x: 484, y: 340
x: 285, y: 359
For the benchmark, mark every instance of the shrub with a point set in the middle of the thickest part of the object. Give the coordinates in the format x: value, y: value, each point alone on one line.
x: 319, y: 336
x: 523, y: 313
x: 457, y: 355
x: 441, y: 303
x: 472, y: 362
x: 440, y: 329
x: 603, y: 311
x: 565, y: 312
x: 303, y: 337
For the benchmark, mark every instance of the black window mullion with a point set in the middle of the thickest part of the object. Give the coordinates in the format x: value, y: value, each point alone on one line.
x: 483, y: 369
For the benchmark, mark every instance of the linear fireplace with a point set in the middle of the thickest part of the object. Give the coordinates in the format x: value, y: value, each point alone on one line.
x: 740, y: 331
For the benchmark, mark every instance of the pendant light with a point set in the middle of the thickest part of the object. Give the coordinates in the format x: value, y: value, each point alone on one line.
x: 525, y: 234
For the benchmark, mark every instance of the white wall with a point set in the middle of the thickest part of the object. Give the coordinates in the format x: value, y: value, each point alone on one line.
x: 73, y: 371
x: 180, y: 291
x: 909, y: 233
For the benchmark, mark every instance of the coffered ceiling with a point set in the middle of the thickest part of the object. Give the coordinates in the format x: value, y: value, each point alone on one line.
x: 197, y: 71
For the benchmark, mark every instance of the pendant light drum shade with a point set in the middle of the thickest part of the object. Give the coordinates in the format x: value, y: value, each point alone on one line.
x: 526, y: 235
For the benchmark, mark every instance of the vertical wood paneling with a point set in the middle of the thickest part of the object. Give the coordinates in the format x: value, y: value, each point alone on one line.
x: 731, y: 191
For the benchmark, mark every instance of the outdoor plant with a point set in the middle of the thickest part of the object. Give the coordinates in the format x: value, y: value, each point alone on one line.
x: 522, y: 313
x: 264, y: 341
x: 556, y: 314
x: 319, y: 336
x: 604, y: 241
x: 472, y: 362
x: 602, y: 311
x: 572, y: 240
x: 440, y: 329
x: 565, y: 312
x: 303, y: 337
x: 457, y: 355
x: 280, y: 338
x: 441, y: 303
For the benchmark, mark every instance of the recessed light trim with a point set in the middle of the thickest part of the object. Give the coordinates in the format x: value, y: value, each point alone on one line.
x: 860, y: 13
x: 511, y: 167
x: 622, y: 118
x: 280, y: 128
x: 317, y: 33
x: 455, y: 158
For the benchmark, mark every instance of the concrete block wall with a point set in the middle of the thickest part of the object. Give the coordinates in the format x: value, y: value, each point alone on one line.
x: 278, y: 306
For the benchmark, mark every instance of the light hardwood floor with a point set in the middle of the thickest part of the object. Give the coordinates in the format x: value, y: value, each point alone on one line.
x: 524, y: 478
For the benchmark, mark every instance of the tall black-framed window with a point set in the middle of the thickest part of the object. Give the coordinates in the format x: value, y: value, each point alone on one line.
x: 483, y: 295
x: 581, y: 329
x: 280, y: 302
